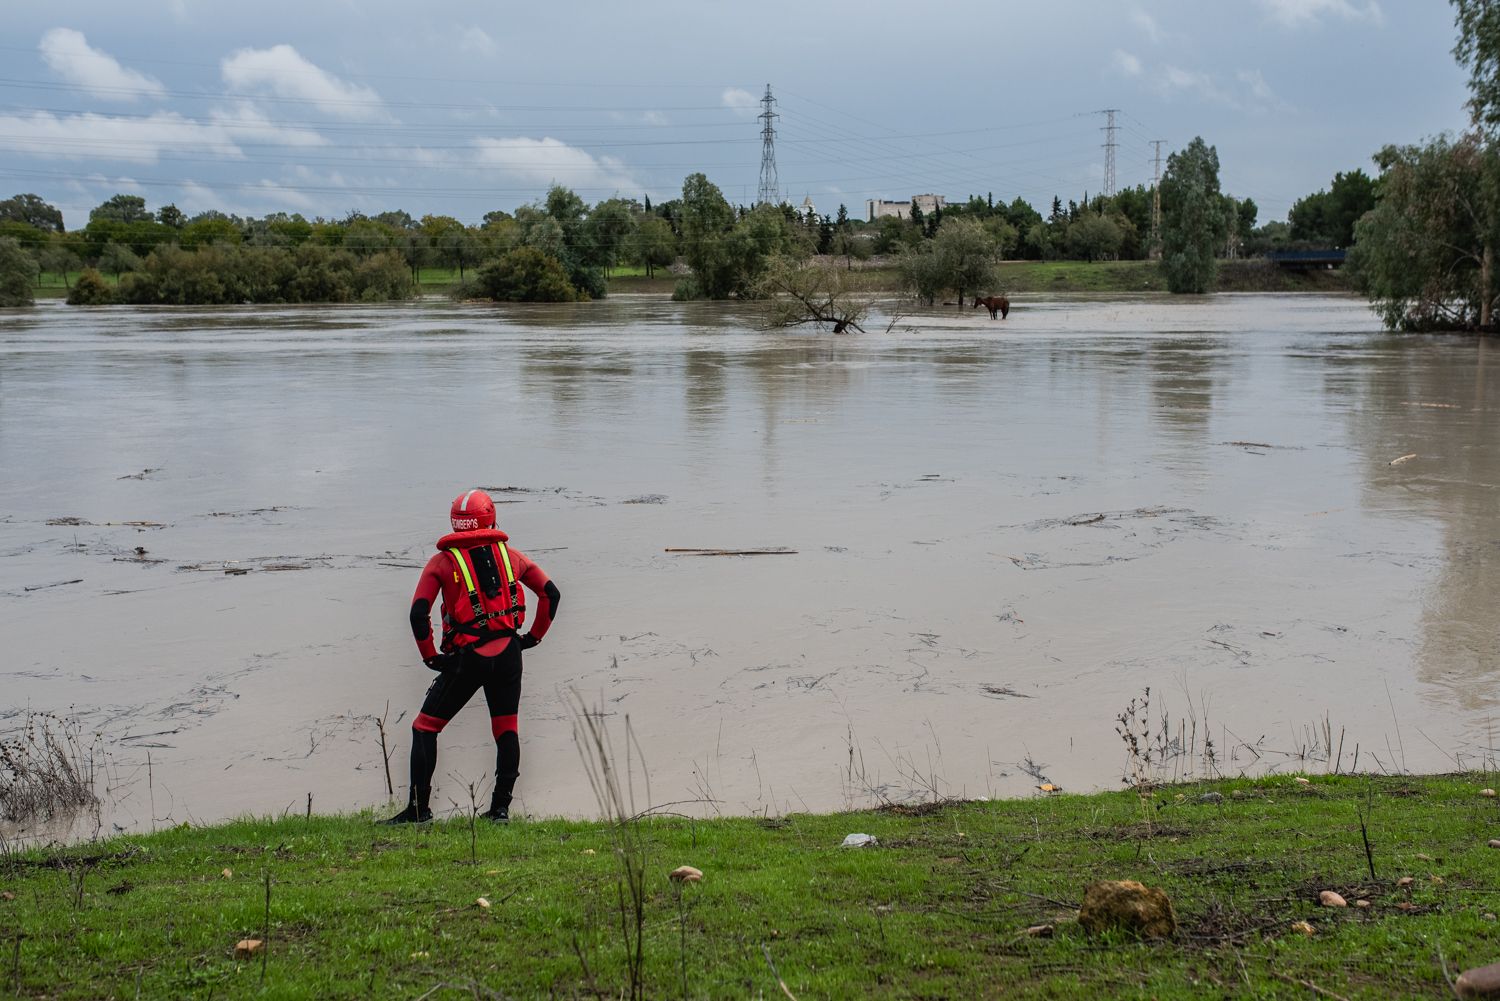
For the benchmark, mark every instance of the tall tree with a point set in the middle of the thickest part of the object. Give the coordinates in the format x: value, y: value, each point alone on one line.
x: 121, y: 208
x: 1328, y: 217
x: 1193, y: 222
x: 1425, y: 254
x: 707, y: 219
x: 31, y: 210
x: 1478, y: 51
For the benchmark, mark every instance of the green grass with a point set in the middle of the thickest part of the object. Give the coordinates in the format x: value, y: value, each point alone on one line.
x: 53, y: 286
x: 938, y: 910
x: 1015, y: 277
x: 1081, y: 276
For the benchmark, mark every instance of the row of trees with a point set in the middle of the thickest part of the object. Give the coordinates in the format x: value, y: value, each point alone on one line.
x: 226, y: 274
x: 560, y: 248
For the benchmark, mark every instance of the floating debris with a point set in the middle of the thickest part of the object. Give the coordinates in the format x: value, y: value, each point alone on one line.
x: 1002, y: 691
x: 688, y: 551
x: 61, y: 583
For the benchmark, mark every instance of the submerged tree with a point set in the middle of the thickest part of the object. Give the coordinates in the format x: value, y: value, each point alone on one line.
x: 1426, y: 254
x: 799, y: 292
x: 966, y: 254
x: 526, y: 274
x: 16, y: 272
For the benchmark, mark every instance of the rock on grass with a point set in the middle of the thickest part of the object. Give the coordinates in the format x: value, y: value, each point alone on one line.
x: 1128, y: 905
x: 1480, y: 982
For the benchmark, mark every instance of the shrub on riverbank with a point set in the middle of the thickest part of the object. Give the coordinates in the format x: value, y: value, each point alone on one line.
x: 524, y: 274
x: 955, y: 900
x: 90, y: 289
x: 16, y: 273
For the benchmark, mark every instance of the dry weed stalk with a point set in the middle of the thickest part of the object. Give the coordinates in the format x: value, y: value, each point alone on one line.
x: 48, y: 768
x: 615, y: 796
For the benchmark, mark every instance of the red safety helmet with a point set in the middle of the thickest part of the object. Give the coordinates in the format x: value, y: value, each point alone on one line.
x: 472, y: 509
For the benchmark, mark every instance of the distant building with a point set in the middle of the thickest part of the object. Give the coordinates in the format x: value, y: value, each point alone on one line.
x: 809, y: 208
x: 879, y: 208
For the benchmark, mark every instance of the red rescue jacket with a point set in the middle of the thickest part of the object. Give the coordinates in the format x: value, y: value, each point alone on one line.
x: 480, y: 578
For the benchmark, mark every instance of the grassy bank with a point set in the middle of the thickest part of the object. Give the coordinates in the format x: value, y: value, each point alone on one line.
x: 1015, y: 277
x: 939, y: 908
x: 1146, y: 276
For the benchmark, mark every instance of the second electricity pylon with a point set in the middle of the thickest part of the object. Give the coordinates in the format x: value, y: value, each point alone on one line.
x: 1155, y: 246
x: 1109, y: 149
x: 769, y: 193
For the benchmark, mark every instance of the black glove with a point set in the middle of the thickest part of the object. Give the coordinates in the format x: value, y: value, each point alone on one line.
x: 527, y: 641
x: 441, y: 662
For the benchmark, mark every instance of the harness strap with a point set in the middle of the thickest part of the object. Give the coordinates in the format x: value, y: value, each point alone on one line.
x: 478, y: 627
x: 517, y: 602
x: 474, y: 602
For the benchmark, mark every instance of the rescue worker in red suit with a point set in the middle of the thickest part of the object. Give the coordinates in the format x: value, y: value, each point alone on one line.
x: 483, y: 609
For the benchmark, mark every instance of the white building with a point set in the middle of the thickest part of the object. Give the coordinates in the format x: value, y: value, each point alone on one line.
x: 879, y: 208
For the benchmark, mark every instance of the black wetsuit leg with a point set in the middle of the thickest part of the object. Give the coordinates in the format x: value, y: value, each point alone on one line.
x: 449, y: 692
x: 502, y: 690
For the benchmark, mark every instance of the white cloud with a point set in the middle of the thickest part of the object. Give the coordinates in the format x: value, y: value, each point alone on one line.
x: 1176, y: 80
x: 283, y: 71
x: 281, y: 195
x: 1147, y: 24
x: 106, y: 137
x: 653, y: 118
x: 476, y: 39
x: 194, y: 198
x: 1248, y: 93
x: 1297, y: 13
x: 1125, y: 63
x: 245, y: 121
x: 741, y: 102
x: 145, y: 139
x: 1255, y: 81
x: 550, y: 161
x: 71, y: 57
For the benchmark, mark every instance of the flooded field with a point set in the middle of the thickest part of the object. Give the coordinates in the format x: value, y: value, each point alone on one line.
x: 1001, y: 535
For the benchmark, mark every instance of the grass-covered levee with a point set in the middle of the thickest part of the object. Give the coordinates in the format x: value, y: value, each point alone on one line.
x: 954, y: 899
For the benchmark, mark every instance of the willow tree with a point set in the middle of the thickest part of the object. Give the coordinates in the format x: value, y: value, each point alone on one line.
x: 1426, y: 254
x: 1192, y: 218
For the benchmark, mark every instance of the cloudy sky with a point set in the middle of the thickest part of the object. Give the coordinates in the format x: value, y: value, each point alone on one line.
x: 327, y: 106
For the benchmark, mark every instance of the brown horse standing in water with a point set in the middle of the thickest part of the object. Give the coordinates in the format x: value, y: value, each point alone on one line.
x: 996, y: 304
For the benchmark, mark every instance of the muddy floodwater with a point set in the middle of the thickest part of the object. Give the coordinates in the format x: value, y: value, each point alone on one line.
x: 999, y: 534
